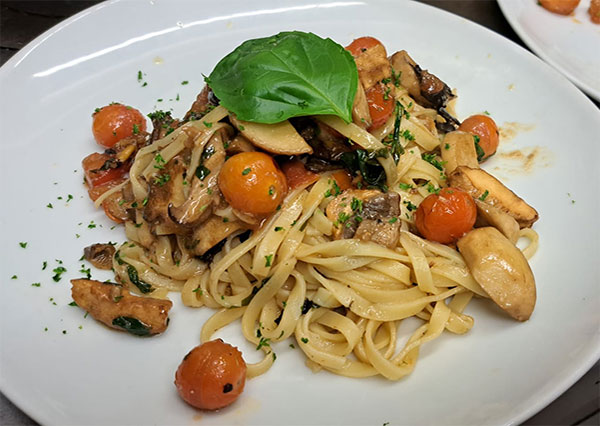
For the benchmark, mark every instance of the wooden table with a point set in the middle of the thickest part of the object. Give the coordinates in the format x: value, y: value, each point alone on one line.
x: 22, y: 21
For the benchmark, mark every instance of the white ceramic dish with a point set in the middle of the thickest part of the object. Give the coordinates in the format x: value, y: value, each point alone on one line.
x: 500, y: 373
x: 571, y: 44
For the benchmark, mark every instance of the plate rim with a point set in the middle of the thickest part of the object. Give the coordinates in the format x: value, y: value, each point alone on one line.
x: 535, y: 47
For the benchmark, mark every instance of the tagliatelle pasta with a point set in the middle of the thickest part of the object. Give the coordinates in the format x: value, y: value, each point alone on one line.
x: 312, y: 269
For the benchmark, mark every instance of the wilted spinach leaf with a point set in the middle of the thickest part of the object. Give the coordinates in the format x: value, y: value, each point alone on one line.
x: 132, y: 325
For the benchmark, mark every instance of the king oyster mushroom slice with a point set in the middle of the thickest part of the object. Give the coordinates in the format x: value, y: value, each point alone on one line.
x: 458, y: 149
x: 501, y: 269
x: 488, y: 215
x: 480, y: 184
x: 279, y: 138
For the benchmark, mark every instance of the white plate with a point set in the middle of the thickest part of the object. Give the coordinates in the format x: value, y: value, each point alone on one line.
x: 499, y: 373
x: 571, y: 44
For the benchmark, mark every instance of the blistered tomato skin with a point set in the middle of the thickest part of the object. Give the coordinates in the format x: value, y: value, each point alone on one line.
x: 115, y: 122
x: 486, y: 129
x: 447, y: 216
x: 211, y: 376
x: 252, y: 182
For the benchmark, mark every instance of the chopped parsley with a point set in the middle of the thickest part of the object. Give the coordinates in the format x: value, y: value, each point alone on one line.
x: 478, y: 148
x: 207, y: 124
x: 410, y: 206
x: 336, y: 189
x: 36, y: 284
x: 271, y: 190
x: 49, y: 205
x: 160, y: 161
x: 356, y: 205
x: 278, y: 228
x: 91, y: 225
x: 268, y: 260
x: 136, y: 129
x: 58, y: 271
x: 23, y: 245
x: 246, y: 171
x: 447, y: 146
x: 202, y: 172
x: 73, y: 303
x: 14, y: 277
x: 160, y: 180
x: 432, y: 189
x: 264, y: 342
x: 433, y: 160
x: 184, y: 82
x: 86, y: 271
x: 44, y: 265
x: 304, y: 340
x: 484, y: 195
x: 405, y: 186
x: 393, y: 220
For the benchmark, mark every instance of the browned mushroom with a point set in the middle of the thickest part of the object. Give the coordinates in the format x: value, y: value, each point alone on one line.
x: 100, y: 255
x: 368, y: 215
x: 501, y: 269
x: 480, y: 184
x: 373, y: 66
x: 113, y: 305
x: 212, y: 232
x: 488, y: 215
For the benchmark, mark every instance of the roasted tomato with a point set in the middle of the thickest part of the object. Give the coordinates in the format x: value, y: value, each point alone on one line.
x: 485, y: 129
x: 447, y: 216
x: 102, y: 168
x: 211, y: 376
x: 252, y: 183
x: 115, y: 122
x: 381, y: 104
x: 297, y: 175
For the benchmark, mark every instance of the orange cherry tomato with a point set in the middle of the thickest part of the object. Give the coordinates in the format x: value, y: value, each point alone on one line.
x: 381, y: 104
x: 252, y: 183
x: 211, y: 376
x: 447, y: 216
x: 487, y: 131
x: 594, y: 11
x: 343, y: 179
x: 361, y: 44
x: 95, y: 176
x: 115, y: 122
x: 297, y: 175
x: 563, y: 7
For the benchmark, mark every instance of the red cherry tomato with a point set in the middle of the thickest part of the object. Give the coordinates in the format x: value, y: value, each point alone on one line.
x: 361, y: 44
x: 115, y: 122
x: 211, y: 376
x: 381, y: 104
x: 447, y: 216
x: 93, y: 166
x: 296, y: 174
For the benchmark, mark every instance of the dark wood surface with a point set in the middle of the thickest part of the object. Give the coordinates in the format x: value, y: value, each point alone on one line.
x: 22, y: 21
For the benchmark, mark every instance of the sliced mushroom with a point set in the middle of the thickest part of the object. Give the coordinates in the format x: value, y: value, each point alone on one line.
x: 501, y: 269
x: 424, y: 87
x: 113, y: 305
x: 204, y: 192
x: 156, y: 210
x: 239, y: 144
x: 373, y: 66
x: 458, y: 149
x: 368, y: 215
x: 100, y: 255
x: 488, y: 215
x: 212, y: 232
x: 480, y: 184
x: 280, y: 138
x: 360, y: 109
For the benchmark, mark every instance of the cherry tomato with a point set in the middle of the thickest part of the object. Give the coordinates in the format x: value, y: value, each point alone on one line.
x: 361, y: 44
x: 563, y: 7
x: 252, y: 183
x: 296, y: 174
x: 115, y: 122
x: 594, y: 11
x: 94, y: 176
x: 343, y: 179
x: 447, y: 216
x: 211, y: 376
x: 487, y: 131
x: 381, y: 104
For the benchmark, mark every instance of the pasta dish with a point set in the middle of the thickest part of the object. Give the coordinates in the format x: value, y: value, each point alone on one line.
x: 316, y: 209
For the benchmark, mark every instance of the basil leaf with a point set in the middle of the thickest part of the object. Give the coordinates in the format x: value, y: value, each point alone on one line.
x: 291, y: 74
x: 143, y: 286
x: 132, y: 325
